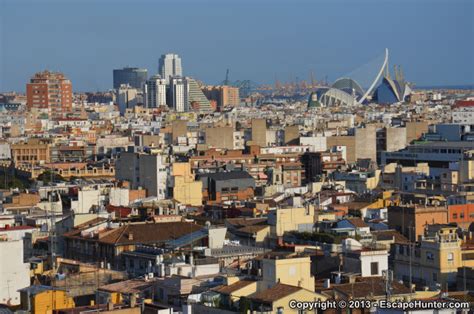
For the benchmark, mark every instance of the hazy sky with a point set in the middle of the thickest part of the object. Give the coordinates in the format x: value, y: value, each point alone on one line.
x: 259, y: 40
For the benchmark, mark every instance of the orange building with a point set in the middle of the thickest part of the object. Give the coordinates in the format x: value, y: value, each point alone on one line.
x: 463, y: 214
x: 224, y: 96
x: 411, y: 220
x: 51, y: 91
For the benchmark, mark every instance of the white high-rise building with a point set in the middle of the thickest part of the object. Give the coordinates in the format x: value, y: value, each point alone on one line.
x: 179, y: 94
x: 169, y: 66
x: 154, y: 92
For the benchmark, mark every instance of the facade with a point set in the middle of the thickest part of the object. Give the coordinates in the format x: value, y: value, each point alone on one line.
x: 225, y: 96
x: 50, y: 91
x: 143, y: 170
x: 259, y: 132
x: 411, y: 221
x: 227, y: 186
x: 32, y: 152
x: 169, y: 66
x: 179, y: 94
x: 186, y: 189
x: 361, y: 145
x: 134, y: 77
x: 289, y: 269
x: 366, y: 262
x: 127, y: 97
x: 317, y: 164
x: 292, y: 135
x: 463, y: 215
x: 434, y: 260
x: 5, y: 151
x: 154, y: 92
x: 38, y: 299
x: 438, y: 154
x: 282, y: 220
x: 14, y: 273
x: 220, y: 137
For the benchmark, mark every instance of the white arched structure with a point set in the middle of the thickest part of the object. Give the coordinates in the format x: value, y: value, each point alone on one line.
x: 379, y: 75
x: 337, y: 97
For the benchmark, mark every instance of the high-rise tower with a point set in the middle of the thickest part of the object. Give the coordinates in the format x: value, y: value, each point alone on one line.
x: 169, y: 66
x: 51, y: 91
x: 154, y: 92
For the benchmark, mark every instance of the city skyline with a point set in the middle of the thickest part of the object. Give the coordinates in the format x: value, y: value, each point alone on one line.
x: 281, y: 40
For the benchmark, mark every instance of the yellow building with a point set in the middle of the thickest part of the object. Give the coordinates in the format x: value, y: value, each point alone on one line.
x: 231, y: 294
x: 39, y: 299
x: 186, y: 190
x: 325, y: 215
x: 287, y: 268
x: 282, y: 220
x: 35, y: 151
x: 280, y: 299
x: 435, y: 259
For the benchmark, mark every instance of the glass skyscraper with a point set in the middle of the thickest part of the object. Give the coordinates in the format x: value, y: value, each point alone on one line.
x: 135, y: 77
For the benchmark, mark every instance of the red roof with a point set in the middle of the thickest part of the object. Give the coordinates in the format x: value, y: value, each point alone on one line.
x: 13, y: 228
x: 119, y: 211
x: 464, y: 103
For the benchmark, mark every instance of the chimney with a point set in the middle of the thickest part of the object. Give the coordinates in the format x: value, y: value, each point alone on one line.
x: 133, y: 300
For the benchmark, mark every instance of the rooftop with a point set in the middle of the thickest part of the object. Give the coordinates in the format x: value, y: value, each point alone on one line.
x: 275, y: 293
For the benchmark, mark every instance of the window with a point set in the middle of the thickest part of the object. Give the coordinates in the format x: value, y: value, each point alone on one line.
x: 400, y: 249
x: 450, y: 257
x: 455, y: 216
x: 435, y: 277
x: 429, y: 256
x: 374, y: 268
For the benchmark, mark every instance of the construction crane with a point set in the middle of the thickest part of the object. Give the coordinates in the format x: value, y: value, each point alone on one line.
x: 313, y: 82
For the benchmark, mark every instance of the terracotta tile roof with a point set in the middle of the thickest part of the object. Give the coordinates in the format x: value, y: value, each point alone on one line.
x: 234, y: 287
x: 384, y: 235
x: 253, y: 229
x: 242, y: 222
x: 372, y: 286
x: 357, y: 222
x: 149, y: 232
x: 90, y: 223
x: 356, y: 205
x: 275, y: 293
x: 120, y: 211
x: 141, y: 233
x: 128, y: 286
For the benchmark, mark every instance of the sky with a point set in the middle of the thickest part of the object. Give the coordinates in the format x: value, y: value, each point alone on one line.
x: 258, y: 40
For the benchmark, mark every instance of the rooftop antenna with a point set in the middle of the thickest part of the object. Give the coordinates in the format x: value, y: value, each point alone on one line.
x: 52, y: 233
